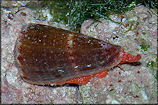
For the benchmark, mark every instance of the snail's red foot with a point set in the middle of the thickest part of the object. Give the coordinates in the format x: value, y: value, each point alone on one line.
x: 129, y: 58
x: 84, y: 80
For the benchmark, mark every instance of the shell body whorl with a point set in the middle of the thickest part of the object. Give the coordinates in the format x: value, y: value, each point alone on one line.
x: 46, y: 54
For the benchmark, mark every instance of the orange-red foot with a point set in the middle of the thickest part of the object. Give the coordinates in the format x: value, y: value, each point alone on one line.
x: 129, y: 58
x: 84, y: 80
x: 101, y: 74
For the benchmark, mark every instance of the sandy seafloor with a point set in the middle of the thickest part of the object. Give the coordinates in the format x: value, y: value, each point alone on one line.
x: 136, y: 83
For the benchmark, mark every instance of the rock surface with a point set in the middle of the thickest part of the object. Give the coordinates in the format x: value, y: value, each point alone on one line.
x: 134, y: 84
